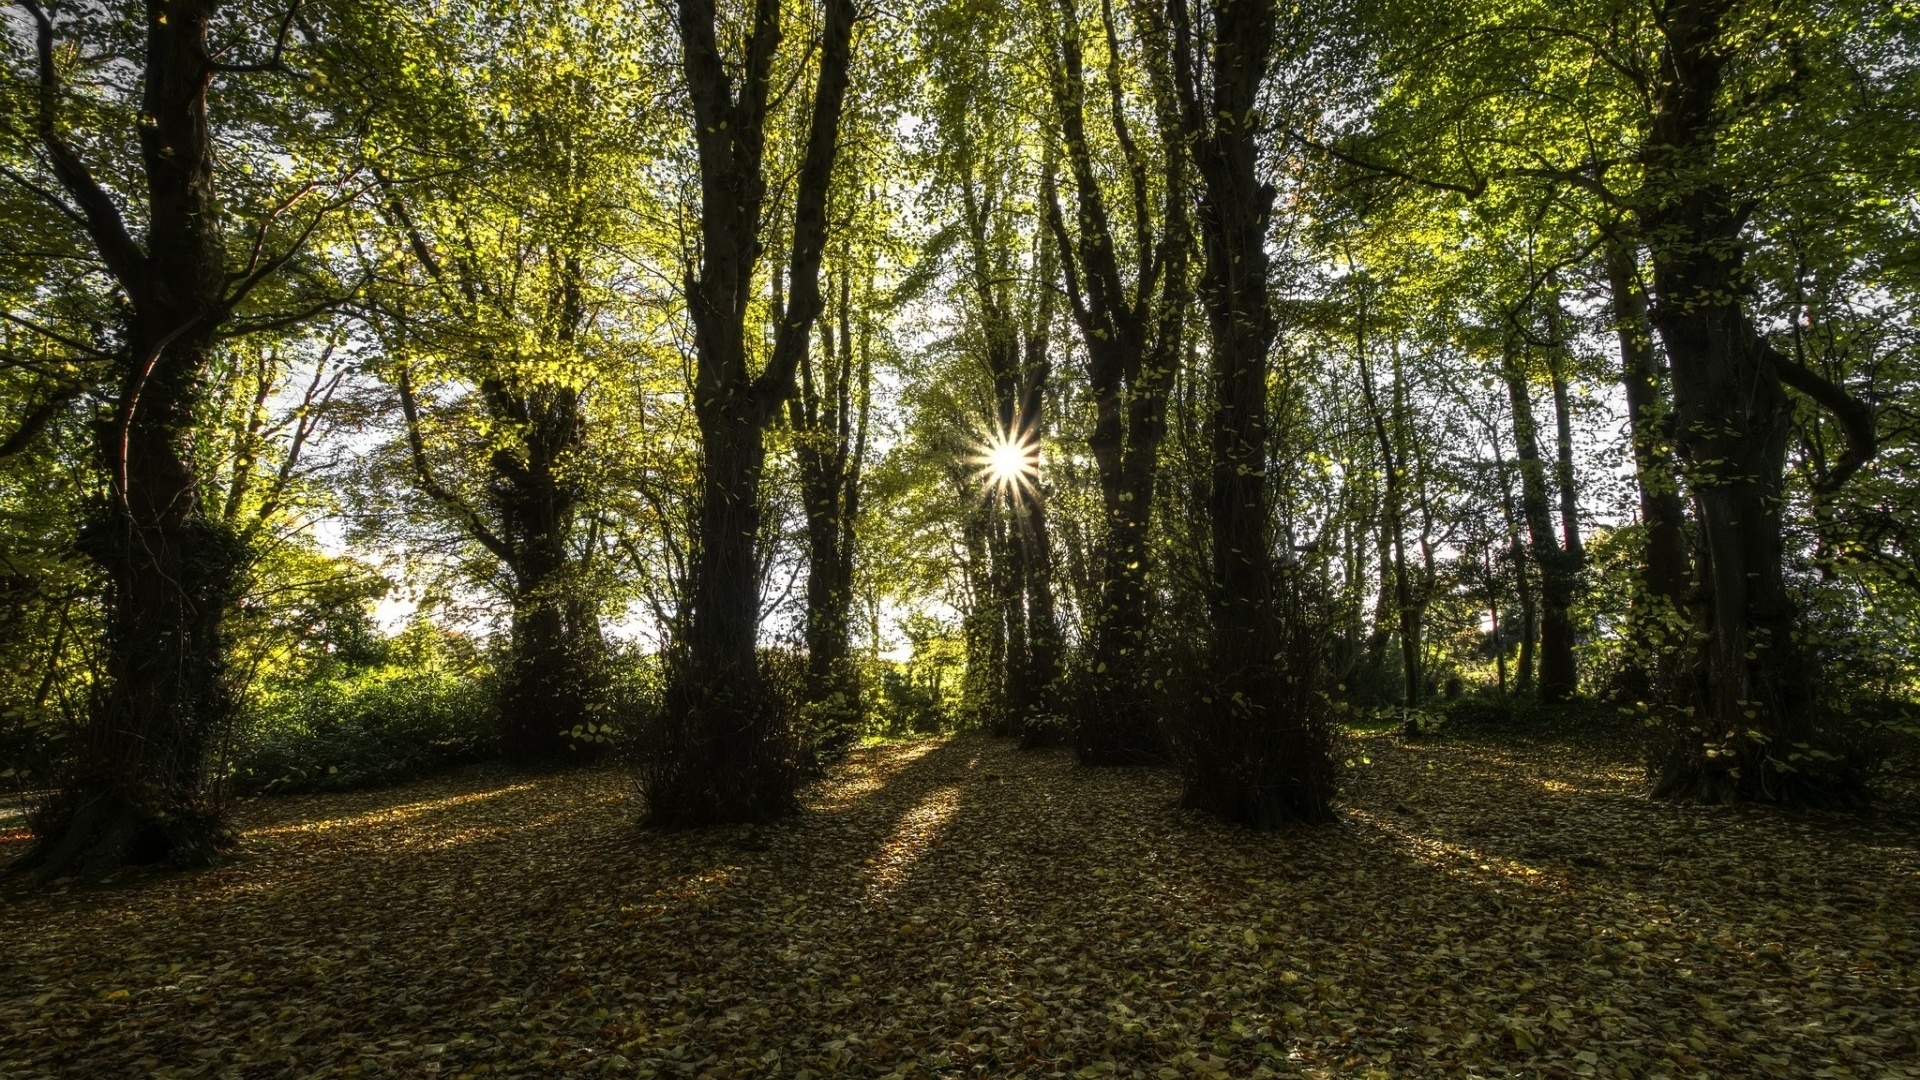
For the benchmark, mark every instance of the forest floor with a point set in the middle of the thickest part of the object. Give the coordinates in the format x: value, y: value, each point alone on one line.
x: 1488, y: 907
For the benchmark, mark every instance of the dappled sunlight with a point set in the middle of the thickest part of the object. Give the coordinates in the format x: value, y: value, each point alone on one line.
x: 395, y: 815
x: 988, y: 911
x: 700, y: 889
x: 1457, y: 859
x: 447, y: 839
x: 919, y: 831
x: 865, y: 773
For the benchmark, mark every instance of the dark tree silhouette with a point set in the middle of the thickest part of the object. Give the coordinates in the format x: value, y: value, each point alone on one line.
x: 728, y: 754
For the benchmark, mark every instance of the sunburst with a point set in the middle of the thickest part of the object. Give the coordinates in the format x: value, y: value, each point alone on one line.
x: 1009, y: 461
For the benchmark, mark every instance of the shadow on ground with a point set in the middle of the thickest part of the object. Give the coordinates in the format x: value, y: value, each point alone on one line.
x: 961, y: 908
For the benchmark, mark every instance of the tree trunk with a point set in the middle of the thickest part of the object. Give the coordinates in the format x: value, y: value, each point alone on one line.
x: 143, y: 792
x: 1393, y: 530
x: 1044, y: 667
x: 1659, y: 617
x: 983, y: 628
x: 555, y: 683
x: 1559, y: 356
x: 1133, y: 332
x: 1517, y: 557
x: 1011, y: 606
x: 1374, y: 669
x: 1493, y: 623
x: 1257, y: 751
x: 729, y: 756
x: 1754, y: 698
x: 830, y: 425
x: 1558, y: 678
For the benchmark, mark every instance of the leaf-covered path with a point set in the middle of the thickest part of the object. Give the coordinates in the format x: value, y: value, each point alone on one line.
x: 961, y: 908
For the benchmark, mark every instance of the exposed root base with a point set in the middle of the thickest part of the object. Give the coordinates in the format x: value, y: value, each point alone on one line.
x: 90, y: 836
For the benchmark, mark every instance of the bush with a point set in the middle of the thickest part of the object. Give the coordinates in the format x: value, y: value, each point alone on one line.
x: 907, y: 705
x: 373, y: 727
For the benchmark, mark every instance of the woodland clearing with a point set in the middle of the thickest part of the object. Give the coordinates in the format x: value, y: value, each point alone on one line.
x: 958, y: 907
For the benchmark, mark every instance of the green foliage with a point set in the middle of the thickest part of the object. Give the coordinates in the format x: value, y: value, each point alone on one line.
x: 423, y: 704
x: 362, y: 730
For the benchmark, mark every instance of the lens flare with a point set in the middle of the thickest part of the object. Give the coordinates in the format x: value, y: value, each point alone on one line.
x: 1009, y: 462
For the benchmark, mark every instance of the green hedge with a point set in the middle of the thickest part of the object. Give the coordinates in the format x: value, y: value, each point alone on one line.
x: 373, y: 727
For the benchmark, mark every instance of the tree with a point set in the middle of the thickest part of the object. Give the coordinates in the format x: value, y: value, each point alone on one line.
x: 144, y: 791
x: 1259, y: 748
x: 1754, y: 704
x: 1661, y: 598
x: 997, y: 173
x: 829, y: 418
x: 1132, y: 319
x: 502, y: 300
x: 1668, y: 116
x: 725, y: 760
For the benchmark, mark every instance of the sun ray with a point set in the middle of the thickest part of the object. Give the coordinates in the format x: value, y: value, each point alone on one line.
x: 1009, y: 460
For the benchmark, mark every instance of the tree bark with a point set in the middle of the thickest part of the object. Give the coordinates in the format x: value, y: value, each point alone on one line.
x: 143, y: 792
x: 1257, y: 752
x: 984, y: 630
x: 729, y: 756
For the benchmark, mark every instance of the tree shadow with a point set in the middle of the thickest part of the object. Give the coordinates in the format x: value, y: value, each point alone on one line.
x: 955, y: 907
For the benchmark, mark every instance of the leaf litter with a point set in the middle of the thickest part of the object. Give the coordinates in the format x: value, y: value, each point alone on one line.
x: 961, y: 908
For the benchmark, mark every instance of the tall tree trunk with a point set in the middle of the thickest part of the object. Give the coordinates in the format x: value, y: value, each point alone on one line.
x: 143, y: 792
x: 1258, y: 751
x: 982, y: 627
x: 1660, y: 608
x: 729, y: 756
x: 1493, y: 622
x: 1044, y: 652
x: 1754, y: 700
x: 830, y: 424
x: 1558, y: 678
x: 1374, y: 670
x: 1526, y: 664
x: 1132, y: 331
x: 1016, y: 692
x: 1393, y: 534
x: 1559, y: 357
x: 1045, y: 670
x: 1517, y: 557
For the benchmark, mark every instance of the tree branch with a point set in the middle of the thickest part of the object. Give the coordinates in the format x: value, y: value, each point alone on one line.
x: 38, y: 418
x: 104, y: 224
x: 410, y: 409
x: 793, y: 333
x: 71, y: 343
x: 1855, y: 417
x: 276, y: 62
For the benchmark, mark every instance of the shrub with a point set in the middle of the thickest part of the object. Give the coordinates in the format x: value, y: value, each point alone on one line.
x: 373, y: 727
